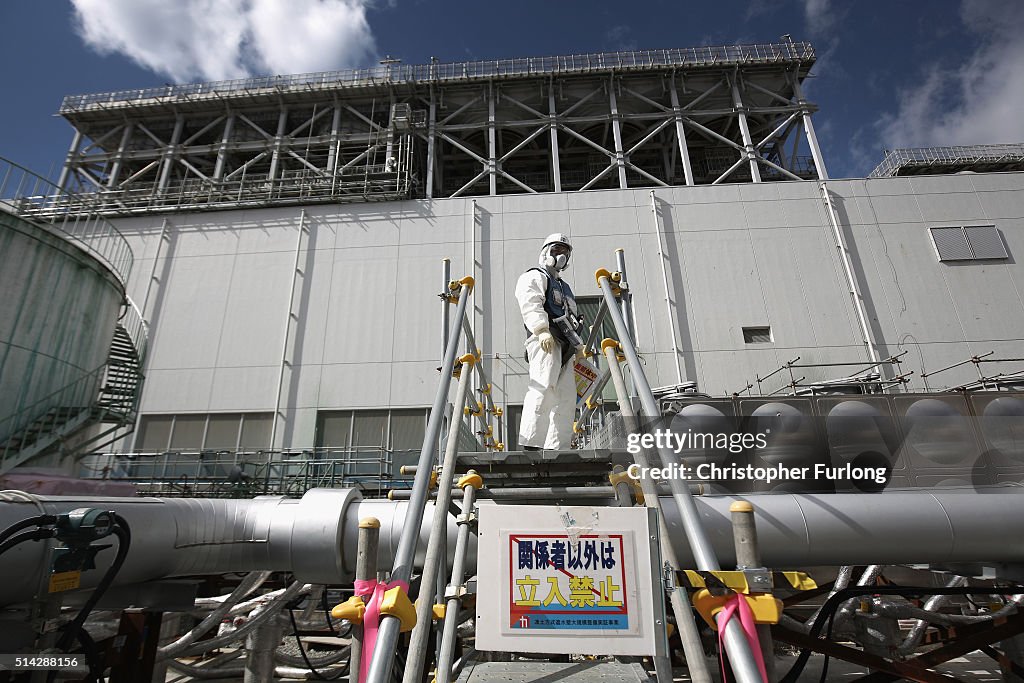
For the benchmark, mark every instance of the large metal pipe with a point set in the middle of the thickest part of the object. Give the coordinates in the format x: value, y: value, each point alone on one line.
x: 315, y: 536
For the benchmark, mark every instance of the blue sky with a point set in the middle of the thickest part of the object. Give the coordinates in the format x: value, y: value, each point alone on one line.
x: 890, y: 74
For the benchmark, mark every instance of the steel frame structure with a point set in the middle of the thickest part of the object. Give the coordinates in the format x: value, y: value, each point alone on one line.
x: 613, y: 120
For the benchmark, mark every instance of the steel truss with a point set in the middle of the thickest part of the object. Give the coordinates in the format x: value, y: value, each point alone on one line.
x: 736, y: 114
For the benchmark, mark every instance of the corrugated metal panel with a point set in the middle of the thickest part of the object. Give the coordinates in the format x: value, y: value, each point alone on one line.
x: 951, y: 243
x: 985, y: 241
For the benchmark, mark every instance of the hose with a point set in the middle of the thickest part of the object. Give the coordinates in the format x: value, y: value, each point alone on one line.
x: 124, y: 538
x: 230, y: 598
x: 249, y: 583
x: 38, y: 520
x: 34, y: 535
x: 270, y: 610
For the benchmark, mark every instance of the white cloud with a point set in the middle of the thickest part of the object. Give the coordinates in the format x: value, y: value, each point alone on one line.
x: 819, y: 16
x: 223, y: 39
x: 977, y: 102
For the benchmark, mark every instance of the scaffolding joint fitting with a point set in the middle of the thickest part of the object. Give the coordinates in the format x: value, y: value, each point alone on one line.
x: 455, y: 592
x: 604, y: 273
x: 608, y: 342
x: 396, y: 604
x: 472, y: 478
x: 616, y: 478
x: 352, y: 610
x: 466, y: 518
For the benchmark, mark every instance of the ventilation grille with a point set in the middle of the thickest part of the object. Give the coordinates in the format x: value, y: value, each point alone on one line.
x: 968, y: 243
x: 757, y: 335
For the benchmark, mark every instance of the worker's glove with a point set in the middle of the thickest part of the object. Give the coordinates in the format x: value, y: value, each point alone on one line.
x: 547, y: 342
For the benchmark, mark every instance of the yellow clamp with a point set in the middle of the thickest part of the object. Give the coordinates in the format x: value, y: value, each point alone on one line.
x: 500, y: 446
x: 737, y: 580
x: 472, y: 479
x: 612, y: 278
x: 396, y: 603
x: 766, y: 607
x: 468, y: 359
x: 624, y: 478
x: 479, y: 355
x: 498, y: 412
x: 590, y: 404
x: 576, y: 428
x: 490, y: 431
x: 438, y: 612
x: 351, y: 610
x: 433, y: 480
x: 486, y: 389
x: 478, y: 412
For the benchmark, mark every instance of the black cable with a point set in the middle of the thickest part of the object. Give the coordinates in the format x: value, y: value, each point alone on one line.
x: 92, y: 656
x: 124, y: 537
x: 302, y: 650
x: 835, y: 600
x: 34, y: 535
x: 327, y: 612
x: 828, y: 636
x: 38, y: 520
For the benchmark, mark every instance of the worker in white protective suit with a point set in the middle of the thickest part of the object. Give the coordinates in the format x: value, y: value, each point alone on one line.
x: 550, y: 315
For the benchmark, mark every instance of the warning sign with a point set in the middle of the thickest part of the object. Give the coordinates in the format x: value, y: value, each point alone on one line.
x: 569, y: 579
x: 562, y: 583
x: 586, y: 375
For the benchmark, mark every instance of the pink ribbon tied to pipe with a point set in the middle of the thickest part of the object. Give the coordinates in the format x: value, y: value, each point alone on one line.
x: 372, y: 591
x: 736, y: 605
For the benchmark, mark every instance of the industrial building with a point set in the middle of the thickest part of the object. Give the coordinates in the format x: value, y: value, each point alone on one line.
x: 249, y: 294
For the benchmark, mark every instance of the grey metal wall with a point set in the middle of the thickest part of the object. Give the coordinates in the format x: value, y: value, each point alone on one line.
x: 58, y: 307
x: 216, y: 287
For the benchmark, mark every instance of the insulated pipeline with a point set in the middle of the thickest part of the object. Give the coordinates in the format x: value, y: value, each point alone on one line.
x: 315, y: 537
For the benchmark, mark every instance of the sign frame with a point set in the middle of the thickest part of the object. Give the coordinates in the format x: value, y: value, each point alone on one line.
x: 626, y: 536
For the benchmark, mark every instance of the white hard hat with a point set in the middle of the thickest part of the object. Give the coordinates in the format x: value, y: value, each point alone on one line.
x: 557, y: 238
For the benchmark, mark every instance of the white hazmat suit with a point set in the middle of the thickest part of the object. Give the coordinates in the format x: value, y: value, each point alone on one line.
x: 550, y: 402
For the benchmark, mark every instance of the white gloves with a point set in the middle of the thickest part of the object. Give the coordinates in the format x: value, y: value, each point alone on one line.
x: 547, y: 342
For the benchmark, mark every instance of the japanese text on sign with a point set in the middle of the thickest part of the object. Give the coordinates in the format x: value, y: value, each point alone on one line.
x: 560, y: 582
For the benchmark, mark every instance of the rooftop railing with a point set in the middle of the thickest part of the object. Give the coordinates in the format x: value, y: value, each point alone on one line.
x: 768, y: 53
x: 895, y: 159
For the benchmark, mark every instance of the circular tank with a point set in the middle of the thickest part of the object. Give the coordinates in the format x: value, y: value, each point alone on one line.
x: 57, y: 317
x: 1002, y: 422
x: 939, y: 432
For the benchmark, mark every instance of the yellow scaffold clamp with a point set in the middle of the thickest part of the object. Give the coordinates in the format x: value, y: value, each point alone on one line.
x: 455, y: 285
x: 433, y: 480
x: 476, y: 413
x: 498, y: 412
x: 766, y: 608
x: 500, y: 446
x: 486, y: 389
x: 468, y: 359
x: 613, y: 278
x: 590, y: 404
x: 576, y: 428
x: 351, y: 610
x: 396, y: 603
x: 623, y: 477
x: 608, y: 342
x: 471, y: 478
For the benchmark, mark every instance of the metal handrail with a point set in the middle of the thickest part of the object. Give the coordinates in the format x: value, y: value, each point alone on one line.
x: 76, y: 217
x: 50, y: 411
x: 897, y: 158
x: 767, y: 53
x: 137, y: 328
